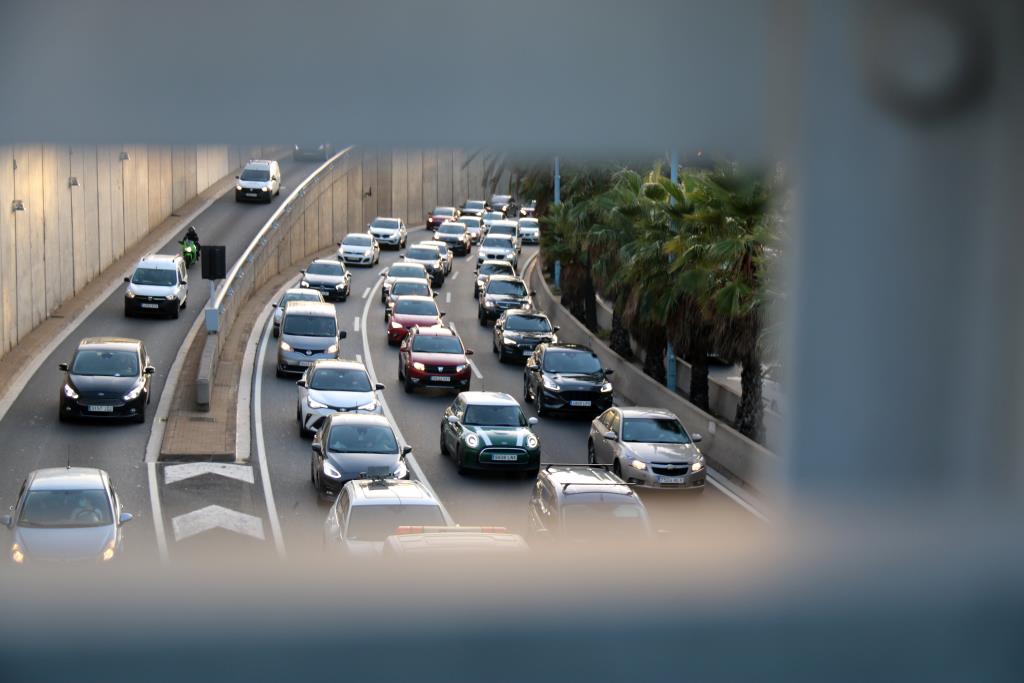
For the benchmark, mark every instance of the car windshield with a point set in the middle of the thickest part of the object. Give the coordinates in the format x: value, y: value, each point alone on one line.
x: 529, y: 223
x: 304, y: 295
x: 340, y: 379
x: 158, y: 277
x: 319, y: 268
x: 377, y: 522
x: 428, y: 343
x: 527, y: 323
x: 442, y: 249
x: 106, y: 363
x: 52, y: 509
x: 406, y: 270
x: 475, y: 205
x: 493, y: 216
x: 415, y: 307
x: 503, y: 230
x: 452, y: 229
x: 494, y: 416
x: 506, y: 287
x: 411, y: 288
x: 499, y: 199
x: 361, y: 438
x: 422, y: 254
x: 581, y: 362
x: 470, y: 221
x: 255, y: 175
x: 444, y: 211
x: 497, y: 243
x: 654, y: 430
x: 588, y: 521
x: 495, y: 268
x: 357, y: 241
x: 310, y: 325
x: 385, y: 223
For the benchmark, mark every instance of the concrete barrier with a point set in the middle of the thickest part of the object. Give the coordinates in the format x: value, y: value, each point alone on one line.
x: 724, y: 447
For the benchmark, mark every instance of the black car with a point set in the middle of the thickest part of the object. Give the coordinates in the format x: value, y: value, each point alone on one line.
x: 518, y: 332
x: 473, y: 207
x: 108, y: 377
x: 455, y: 236
x: 500, y: 202
x: 502, y: 292
x: 566, y: 378
x: 317, y: 151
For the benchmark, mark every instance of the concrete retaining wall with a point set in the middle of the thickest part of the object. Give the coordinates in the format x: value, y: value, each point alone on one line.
x: 68, y: 233
x: 724, y: 447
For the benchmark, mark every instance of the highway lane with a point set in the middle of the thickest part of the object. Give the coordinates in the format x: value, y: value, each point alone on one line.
x: 30, y: 433
x: 471, y: 499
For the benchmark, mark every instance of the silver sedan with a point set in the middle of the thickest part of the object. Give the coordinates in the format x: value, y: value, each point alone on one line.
x: 293, y: 294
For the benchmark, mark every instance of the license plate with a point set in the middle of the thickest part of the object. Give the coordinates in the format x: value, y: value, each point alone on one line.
x: 527, y: 352
x: 305, y: 363
x: 101, y: 409
x: 150, y: 305
x: 580, y: 404
x: 440, y: 378
x: 671, y: 480
x: 505, y: 457
x: 250, y: 194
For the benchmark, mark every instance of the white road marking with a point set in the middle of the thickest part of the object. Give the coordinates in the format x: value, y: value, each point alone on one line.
x: 410, y: 459
x: 355, y: 325
x: 469, y: 257
x: 455, y: 275
x: 359, y: 358
x: 476, y: 370
x: 366, y: 292
x: 261, y: 447
x: 213, y: 517
x: 163, y: 406
x: 158, y: 517
x: 176, y: 473
x: 448, y: 297
x: 723, y: 485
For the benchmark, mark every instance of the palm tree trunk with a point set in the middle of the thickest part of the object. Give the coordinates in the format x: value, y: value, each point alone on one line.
x: 654, y: 356
x: 698, y: 360
x: 589, y: 302
x: 750, y: 410
x: 619, y: 338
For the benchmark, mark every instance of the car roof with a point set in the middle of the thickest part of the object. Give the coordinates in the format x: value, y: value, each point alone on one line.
x: 435, y: 331
x: 426, y: 244
x: 409, y: 281
x: 338, y: 364
x: 504, y: 224
x: 417, y: 266
x: 500, y: 277
x: 259, y: 163
x: 358, y: 419
x: 389, y: 492
x: 159, y: 261
x: 417, y: 297
x: 110, y: 343
x: 321, y: 308
x: 330, y: 261
x: 301, y: 290
x: 641, y: 411
x: 488, y: 398
x: 67, y: 479
x: 585, y: 479
x: 364, y: 235
x: 507, y: 238
x: 523, y: 313
x: 566, y: 346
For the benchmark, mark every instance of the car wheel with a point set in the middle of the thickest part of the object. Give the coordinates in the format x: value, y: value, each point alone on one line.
x: 176, y: 314
x: 480, y: 317
x: 617, y: 469
x: 140, y: 417
x: 459, y: 466
x: 277, y: 332
x: 444, y: 449
x: 280, y: 373
x: 408, y: 386
x: 538, y: 404
x: 184, y: 303
x: 591, y: 456
x: 303, y: 432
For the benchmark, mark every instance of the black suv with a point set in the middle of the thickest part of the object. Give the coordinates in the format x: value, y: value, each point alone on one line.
x: 517, y: 333
x: 566, y: 378
x: 503, y: 292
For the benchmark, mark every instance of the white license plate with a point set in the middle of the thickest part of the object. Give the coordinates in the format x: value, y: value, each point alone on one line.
x: 151, y: 305
x: 580, y: 404
x: 440, y: 378
x: 101, y: 409
x: 671, y: 480
x: 527, y: 352
x: 505, y: 457
x: 305, y: 363
x: 250, y: 194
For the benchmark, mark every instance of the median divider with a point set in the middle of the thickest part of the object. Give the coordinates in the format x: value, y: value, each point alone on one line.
x: 724, y: 447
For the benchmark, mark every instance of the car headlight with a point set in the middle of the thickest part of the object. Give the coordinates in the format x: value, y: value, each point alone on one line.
x: 419, y: 366
x: 488, y: 303
x: 134, y: 393
x: 638, y: 464
x: 108, y: 552
x: 69, y: 392
x: 460, y: 368
x: 238, y: 188
x: 472, y: 440
x: 285, y: 346
x: 129, y: 294
x: 333, y: 348
x: 266, y: 188
x: 304, y: 283
x: 396, y: 325
x: 331, y: 471
x: 606, y: 387
x: 170, y: 297
x: 372, y: 405
x: 697, y: 466
x: 532, y: 441
x: 315, y: 405
x: 549, y: 383
x: 340, y: 285
x: 16, y: 554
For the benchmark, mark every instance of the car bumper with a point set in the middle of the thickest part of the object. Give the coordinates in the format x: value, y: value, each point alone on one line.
x: 249, y: 195
x: 388, y: 241
x: 529, y: 238
x: 332, y: 293
x: 294, y: 362
x: 458, y: 381
x: 358, y: 259
x: 557, y: 401
x: 484, y: 460
x: 649, y: 480
x: 111, y: 410
x: 160, y: 307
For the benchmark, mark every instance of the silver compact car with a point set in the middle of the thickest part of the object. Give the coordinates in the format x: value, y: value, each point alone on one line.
x: 498, y: 247
x: 529, y: 230
x: 647, y: 447
x: 309, y: 332
x: 293, y: 294
x: 474, y: 227
x: 66, y: 514
x: 359, y: 249
x: 369, y: 510
x: 401, y: 270
x: 389, y: 232
x: 334, y: 386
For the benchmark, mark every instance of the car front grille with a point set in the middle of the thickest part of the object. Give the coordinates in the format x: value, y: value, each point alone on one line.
x: 487, y: 454
x: 670, y: 470
x: 579, y: 395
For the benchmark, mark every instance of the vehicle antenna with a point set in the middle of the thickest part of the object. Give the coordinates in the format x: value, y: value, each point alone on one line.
x: 69, y: 456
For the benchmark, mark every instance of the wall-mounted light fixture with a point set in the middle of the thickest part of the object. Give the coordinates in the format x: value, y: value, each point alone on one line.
x: 17, y: 205
x: 124, y: 156
x: 72, y: 181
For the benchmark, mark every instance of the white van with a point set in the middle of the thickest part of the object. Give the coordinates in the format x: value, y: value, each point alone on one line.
x: 159, y: 284
x: 259, y: 181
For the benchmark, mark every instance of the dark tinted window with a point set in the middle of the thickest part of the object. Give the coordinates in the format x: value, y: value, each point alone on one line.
x: 495, y: 416
x: 495, y: 268
x: 89, y: 507
x: 411, y: 288
x: 564, y: 360
x: 319, y: 268
x: 158, y: 277
x: 406, y: 270
x: 104, y: 363
x: 388, y: 223
x: 452, y: 229
x: 340, y: 379
x: 310, y: 325
x: 422, y: 253
x: 506, y: 287
x: 527, y: 323
x: 361, y: 438
x: 444, y: 211
x: 430, y: 344
x: 654, y: 430
x: 358, y: 240
x: 415, y: 307
x: 503, y: 230
x: 476, y: 205
x: 377, y: 522
x: 255, y: 175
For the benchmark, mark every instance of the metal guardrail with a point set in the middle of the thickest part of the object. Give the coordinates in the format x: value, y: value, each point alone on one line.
x: 215, y: 309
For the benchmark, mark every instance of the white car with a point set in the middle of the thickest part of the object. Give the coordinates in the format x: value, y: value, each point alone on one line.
x: 159, y: 284
x: 490, y: 217
x: 509, y: 228
x: 369, y: 510
x: 359, y: 249
x: 334, y: 386
x: 529, y: 230
x: 259, y: 181
x: 474, y: 227
x: 500, y: 247
x: 389, y: 232
x: 293, y: 294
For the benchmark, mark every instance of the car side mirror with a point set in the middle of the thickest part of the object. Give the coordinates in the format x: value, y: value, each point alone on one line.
x: 273, y: 305
x: 125, y: 518
x: 401, y: 256
x: 611, y: 436
x: 556, y: 328
x: 342, y: 334
x: 303, y: 272
x: 317, y: 448
x: 149, y: 370
x: 7, y: 521
x: 532, y: 421
x: 63, y: 367
x: 379, y: 387
x: 435, y: 294
x: 127, y: 279
x: 469, y: 352
x: 383, y: 273
x: 609, y: 372
x: 696, y: 438
x: 338, y: 243
x: 236, y: 177
x: 300, y: 382
x: 184, y: 282
x: 452, y: 420
x: 406, y: 450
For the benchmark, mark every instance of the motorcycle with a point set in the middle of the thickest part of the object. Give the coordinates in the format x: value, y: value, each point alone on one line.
x: 189, y: 252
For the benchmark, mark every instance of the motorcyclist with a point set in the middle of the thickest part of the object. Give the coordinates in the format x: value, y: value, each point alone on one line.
x: 192, y: 236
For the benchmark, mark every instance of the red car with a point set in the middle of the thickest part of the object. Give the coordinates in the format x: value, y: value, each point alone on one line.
x: 434, y: 357
x: 410, y: 311
x: 441, y: 214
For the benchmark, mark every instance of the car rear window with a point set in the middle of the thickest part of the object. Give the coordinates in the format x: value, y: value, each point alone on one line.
x: 415, y: 307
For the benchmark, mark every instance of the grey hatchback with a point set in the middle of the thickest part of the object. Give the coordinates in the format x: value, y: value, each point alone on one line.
x: 66, y: 514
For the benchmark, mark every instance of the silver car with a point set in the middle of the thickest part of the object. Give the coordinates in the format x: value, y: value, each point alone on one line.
x: 369, y: 510
x: 500, y: 247
x: 293, y: 294
x: 647, y: 447
x: 529, y: 230
x: 488, y: 268
x: 401, y: 270
x: 445, y: 250
x: 349, y: 446
x: 309, y: 332
x: 474, y: 227
x: 389, y: 232
x: 334, y: 386
x: 66, y: 514
x: 360, y: 249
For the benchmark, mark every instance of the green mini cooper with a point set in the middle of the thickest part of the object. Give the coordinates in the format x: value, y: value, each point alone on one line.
x: 486, y: 430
